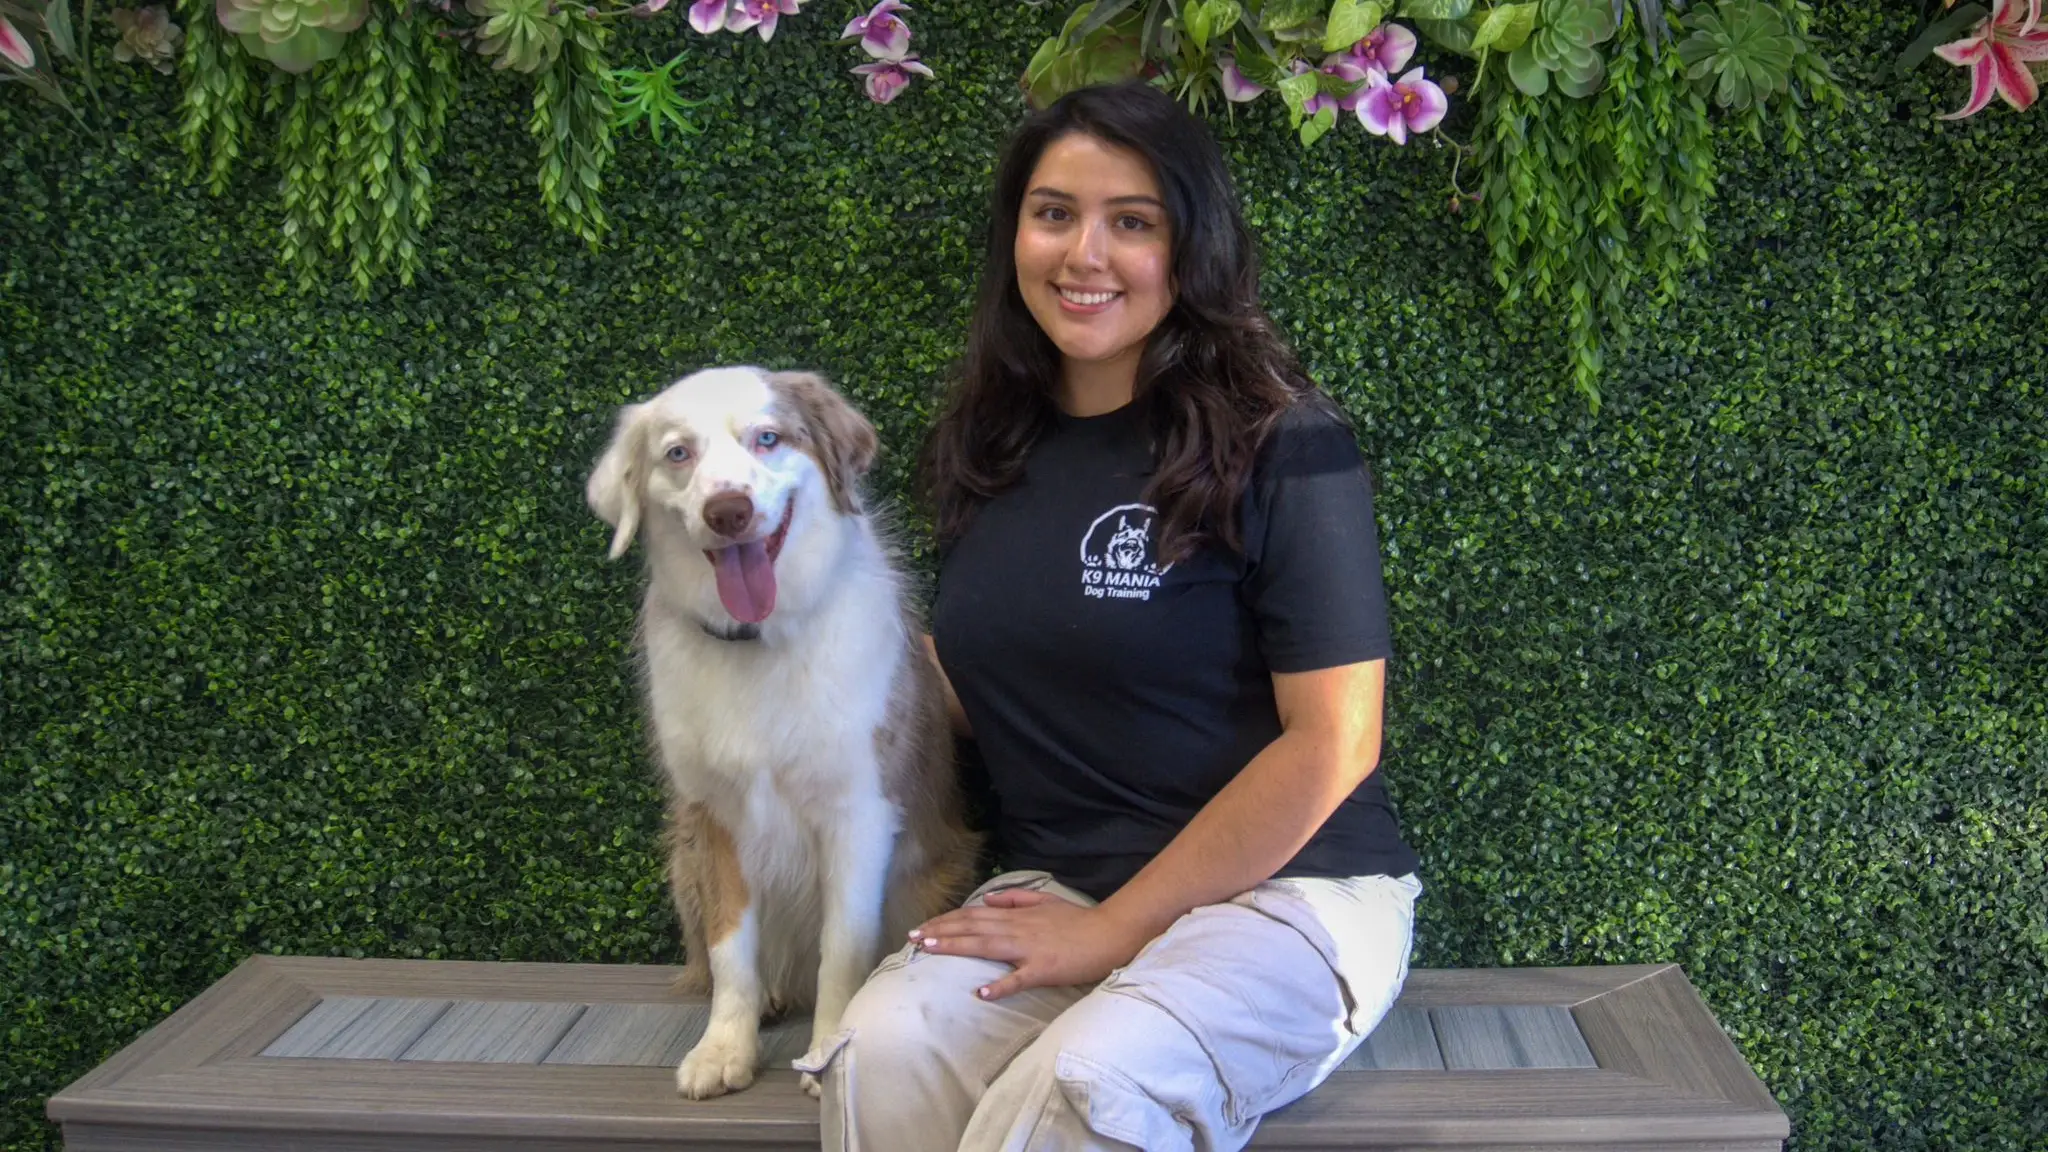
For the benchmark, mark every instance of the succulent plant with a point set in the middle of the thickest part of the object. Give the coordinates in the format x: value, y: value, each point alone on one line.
x: 1565, y: 44
x: 292, y: 34
x: 148, y: 35
x: 523, y: 35
x: 1742, y: 51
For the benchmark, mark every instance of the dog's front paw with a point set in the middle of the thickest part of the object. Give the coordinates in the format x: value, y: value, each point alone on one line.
x: 717, y: 1065
x: 811, y: 1085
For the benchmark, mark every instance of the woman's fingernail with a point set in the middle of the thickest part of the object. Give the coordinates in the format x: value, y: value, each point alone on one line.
x: 981, y: 992
x: 931, y: 941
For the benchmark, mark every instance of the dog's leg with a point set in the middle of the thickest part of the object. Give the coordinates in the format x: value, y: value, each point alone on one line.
x: 724, y: 1060
x: 686, y: 870
x: 856, y: 846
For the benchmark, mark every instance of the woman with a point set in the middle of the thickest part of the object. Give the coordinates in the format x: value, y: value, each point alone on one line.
x: 1161, y: 619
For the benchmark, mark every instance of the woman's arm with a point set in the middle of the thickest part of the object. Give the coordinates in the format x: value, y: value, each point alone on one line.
x: 1328, y: 745
x: 954, y: 713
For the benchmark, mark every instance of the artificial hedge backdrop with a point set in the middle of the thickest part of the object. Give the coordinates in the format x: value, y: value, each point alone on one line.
x: 307, y: 643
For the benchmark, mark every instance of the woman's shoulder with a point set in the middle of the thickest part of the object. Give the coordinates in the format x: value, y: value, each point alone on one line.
x: 1311, y: 434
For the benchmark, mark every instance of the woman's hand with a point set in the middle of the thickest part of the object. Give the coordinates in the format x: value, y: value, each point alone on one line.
x: 1049, y: 941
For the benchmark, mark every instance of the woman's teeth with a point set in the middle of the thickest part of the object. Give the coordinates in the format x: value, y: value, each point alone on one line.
x: 1086, y: 298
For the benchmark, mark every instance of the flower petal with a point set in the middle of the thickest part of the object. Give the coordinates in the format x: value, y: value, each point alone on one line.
x: 886, y: 38
x: 1965, y: 52
x: 1397, y: 49
x: 15, y: 47
x: 1236, y: 88
x: 1429, y: 107
x: 708, y: 16
x: 1982, y: 88
x: 2015, y: 83
x: 1380, y: 108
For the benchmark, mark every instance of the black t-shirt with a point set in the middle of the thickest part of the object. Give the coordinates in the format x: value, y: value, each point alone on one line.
x: 1111, y: 696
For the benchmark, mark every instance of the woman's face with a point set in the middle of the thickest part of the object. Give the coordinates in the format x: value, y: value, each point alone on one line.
x: 1094, y: 258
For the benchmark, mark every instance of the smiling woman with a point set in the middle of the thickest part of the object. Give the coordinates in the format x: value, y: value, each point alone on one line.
x: 1160, y: 615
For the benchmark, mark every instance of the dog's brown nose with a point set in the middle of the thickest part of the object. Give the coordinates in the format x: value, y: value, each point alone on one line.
x: 729, y: 513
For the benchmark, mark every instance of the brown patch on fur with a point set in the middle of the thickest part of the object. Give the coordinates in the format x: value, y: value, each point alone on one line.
x: 835, y: 434
x: 937, y: 854
x: 707, y: 886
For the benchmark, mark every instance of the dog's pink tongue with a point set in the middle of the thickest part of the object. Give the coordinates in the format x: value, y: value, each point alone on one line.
x: 746, y: 581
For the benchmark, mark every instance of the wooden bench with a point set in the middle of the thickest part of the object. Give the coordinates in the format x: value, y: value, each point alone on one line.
x: 320, y: 1055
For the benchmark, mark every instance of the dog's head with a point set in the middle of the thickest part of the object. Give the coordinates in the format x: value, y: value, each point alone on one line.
x: 724, y: 455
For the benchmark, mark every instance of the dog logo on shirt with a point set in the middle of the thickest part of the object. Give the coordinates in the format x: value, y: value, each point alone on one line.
x: 1116, y: 554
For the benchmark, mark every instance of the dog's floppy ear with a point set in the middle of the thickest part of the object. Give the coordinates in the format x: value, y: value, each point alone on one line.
x: 841, y: 439
x: 614, y: 488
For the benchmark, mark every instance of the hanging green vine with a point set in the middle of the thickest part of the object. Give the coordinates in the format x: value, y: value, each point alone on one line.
x: 1598, y: 207
x: 572, y: 123
x: 1594, y: 206
x: 220, y: 91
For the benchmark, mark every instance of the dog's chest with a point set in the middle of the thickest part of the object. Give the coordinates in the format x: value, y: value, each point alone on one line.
x: 801, y: 722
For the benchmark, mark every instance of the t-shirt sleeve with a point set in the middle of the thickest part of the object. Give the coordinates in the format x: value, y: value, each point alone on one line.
x: 1313, y: 582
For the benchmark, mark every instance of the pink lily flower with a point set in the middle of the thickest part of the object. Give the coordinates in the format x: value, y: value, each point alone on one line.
x: 1385, y: 49
x: 1343, y: 68
x: 709, y: 16
x: 1996, y: 54
x: 15, y: 46
x: 883, y: 35
x: 1411, y: 104
x: 886, y: 79
x: 1236, y: 88
x: 760, y: 14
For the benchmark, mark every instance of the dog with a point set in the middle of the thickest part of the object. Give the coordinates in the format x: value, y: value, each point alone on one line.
x: 814, y: 810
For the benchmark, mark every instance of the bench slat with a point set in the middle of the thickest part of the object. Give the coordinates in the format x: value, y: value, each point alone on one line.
x: 495, y: 1032
x: 1510, y: 1036
x: 632, y: 1035
x: 1404, y: 1040
x: 358, y: 1028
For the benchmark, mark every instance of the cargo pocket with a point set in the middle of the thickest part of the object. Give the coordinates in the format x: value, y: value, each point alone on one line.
x: 1112, y: 1104
x: 1261, y: 1015
x: 1362, y: 926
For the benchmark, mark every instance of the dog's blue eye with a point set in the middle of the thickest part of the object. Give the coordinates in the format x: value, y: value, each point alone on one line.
x: 677, y: 454
x: 767, y: 440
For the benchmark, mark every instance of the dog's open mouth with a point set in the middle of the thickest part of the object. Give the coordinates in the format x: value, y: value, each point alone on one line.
x: 746, y: 572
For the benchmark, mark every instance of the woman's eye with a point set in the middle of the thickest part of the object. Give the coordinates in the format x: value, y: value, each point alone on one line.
x: 678, y: 454
x: 767, y: 440
x: 1135, y: 223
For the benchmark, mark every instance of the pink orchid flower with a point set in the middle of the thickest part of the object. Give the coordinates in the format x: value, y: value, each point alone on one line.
x: 1996, y: 53
x: 709, y: 16
x: 15, y: 46
x: 882, y: 34
x: 761, y: 15
x: 1385, y: 49
x: 1343, y: 68
x: 886, y: 79
x: 1411, y: 104
x: 1236, y: 88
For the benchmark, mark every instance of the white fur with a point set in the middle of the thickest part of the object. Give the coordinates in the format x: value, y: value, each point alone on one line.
x: 775, y: 738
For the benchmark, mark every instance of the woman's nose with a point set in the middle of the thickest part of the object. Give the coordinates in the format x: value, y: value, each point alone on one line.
x: 1090, y: 247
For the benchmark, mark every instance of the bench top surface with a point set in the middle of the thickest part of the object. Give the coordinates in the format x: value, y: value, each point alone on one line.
x: 406, y: 1054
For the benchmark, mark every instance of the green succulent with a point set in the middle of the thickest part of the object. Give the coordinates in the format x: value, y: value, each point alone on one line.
x: 1566, y: 43
x: 148, y: 36
x: 523, y: 35
x: 1742, y: 50
x: 292, y: 34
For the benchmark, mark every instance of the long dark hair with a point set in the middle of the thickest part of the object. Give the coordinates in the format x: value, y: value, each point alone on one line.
x: 1215, y: 375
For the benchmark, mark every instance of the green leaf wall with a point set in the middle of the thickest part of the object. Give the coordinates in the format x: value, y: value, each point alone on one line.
x: 307, y: 643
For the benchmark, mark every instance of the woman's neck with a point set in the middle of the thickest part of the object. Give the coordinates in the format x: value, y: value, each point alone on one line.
x: 1092, y: 389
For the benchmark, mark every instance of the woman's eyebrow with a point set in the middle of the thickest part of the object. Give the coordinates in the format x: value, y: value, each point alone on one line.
x: 1056, y: 194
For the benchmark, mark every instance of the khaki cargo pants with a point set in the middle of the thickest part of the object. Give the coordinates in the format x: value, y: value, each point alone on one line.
x: 1237, y: 1009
